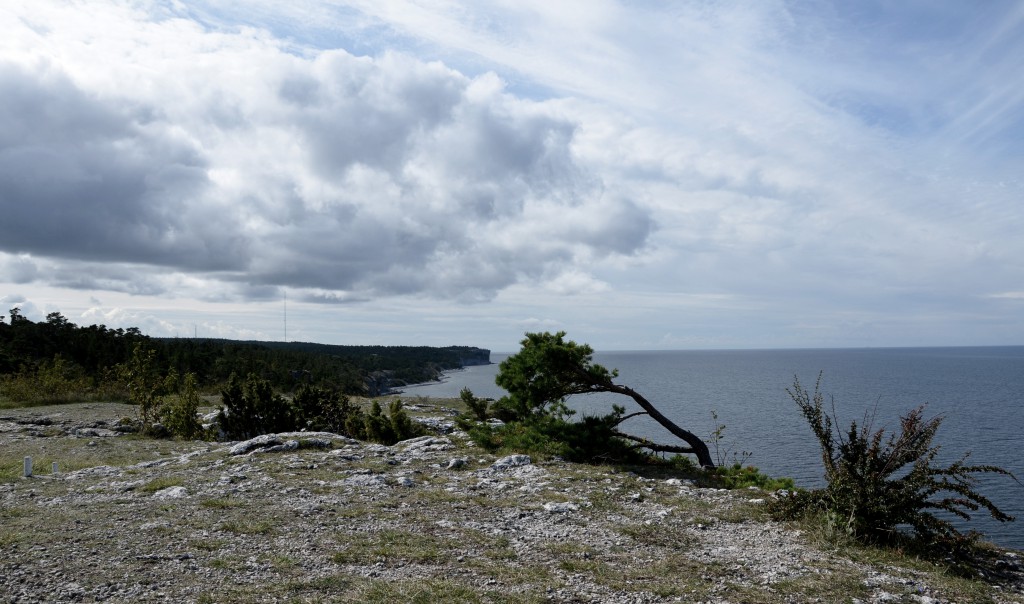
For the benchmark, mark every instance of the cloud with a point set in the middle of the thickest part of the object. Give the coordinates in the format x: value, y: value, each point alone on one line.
x: 18, y: 268
x: 26, y: 307
x: 238, y: 162
x: 123, y: 318
x: 794, y: 159
x: 88, y: 180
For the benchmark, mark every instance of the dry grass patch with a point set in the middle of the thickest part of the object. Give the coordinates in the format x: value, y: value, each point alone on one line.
x: 248, y: 527
x: 391, y: 546
x: 163, y: 482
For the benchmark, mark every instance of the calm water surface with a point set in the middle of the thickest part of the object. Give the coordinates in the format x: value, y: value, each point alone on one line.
x: 979, y: 392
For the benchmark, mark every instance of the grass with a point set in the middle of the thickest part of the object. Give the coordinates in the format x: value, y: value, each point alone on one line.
x: 159, y: 484
x: 902, y: 564
x: 208, y: 544
x: 222, y: 503
x: 248, y: 527
x: 70, y: 454
x: 387, y: 592
x: 669, y: 535
x: 392, y: 546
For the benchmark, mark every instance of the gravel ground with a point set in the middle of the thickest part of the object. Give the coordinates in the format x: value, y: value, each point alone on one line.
x: 316, y: 517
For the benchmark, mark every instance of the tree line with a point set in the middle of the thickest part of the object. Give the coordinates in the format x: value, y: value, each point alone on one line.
x: 89, y: 353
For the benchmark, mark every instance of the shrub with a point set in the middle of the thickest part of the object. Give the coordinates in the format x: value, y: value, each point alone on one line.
x: 322, y: 409
x: 592, y: 439
x: 877, y: 484
x: 52, y: 382
x: 326, y: 410
x: 142, y: 383
x: 179, y: 415
x: 251, y: 408
x: 735, y: 476
x: 739, y: 476
x: 391, y: 428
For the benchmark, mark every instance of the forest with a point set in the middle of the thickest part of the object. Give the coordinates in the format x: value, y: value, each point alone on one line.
x: 58, y: 350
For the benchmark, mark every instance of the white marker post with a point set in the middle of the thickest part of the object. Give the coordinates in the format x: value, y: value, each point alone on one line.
x: 28, y: 467
x: 55, y: 471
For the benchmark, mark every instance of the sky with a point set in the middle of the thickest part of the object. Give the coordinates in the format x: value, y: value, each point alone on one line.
x: 639, y: 174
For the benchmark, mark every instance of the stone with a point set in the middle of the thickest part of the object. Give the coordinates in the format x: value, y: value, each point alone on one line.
x: 411, y: 443
x: 365, y: 480
x: 560, y: 507
x: 315, y: 443
x: 171, y: 493
x: 259, y: 442
x: 423, y: 444
x: 288, y: 445
x: 512, y: 461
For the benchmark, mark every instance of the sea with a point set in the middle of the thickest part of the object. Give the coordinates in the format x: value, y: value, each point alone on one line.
x: 978, y: 391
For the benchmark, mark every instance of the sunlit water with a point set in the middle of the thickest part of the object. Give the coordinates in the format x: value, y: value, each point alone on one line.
x: 979, y: 392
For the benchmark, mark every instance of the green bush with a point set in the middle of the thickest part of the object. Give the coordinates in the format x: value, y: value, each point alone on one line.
x: 878, y: 484
x: 251, y: 408
x: 179, y: 414
x: 739, y: 476
x: 735, y: 476
x: 52, y: 382
x: 322, y: 409
x: 391, y: 428
x: 142, y: 383
x: 592, y: 439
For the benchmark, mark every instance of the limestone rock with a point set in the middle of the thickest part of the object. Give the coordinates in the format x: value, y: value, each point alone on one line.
x: 171, y: 493
x: 512, y: 461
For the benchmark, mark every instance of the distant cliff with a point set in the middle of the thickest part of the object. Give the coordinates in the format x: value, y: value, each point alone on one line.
x: 432, y: 363
x: 470, y: 356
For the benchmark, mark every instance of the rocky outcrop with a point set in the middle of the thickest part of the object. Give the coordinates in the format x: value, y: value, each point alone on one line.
x: 427, y: 519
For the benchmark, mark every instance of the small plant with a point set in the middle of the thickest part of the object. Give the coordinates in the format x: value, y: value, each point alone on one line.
x: 720, y: 450
x: 877, y: 484
x: 739, y: 476
x: 477, y: 406
x: 735, y: 476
